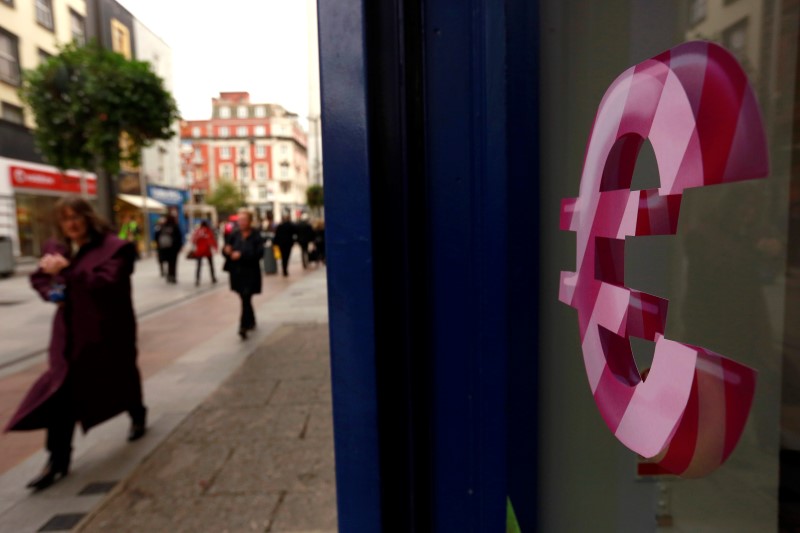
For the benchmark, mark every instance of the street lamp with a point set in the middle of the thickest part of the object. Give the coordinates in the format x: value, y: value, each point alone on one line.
x: 242, y: 164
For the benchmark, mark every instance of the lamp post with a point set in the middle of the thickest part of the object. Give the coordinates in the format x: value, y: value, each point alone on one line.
x: 242, y: 164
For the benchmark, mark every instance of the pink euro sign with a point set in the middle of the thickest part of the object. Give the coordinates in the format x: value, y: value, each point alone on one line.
x: 694, y: 104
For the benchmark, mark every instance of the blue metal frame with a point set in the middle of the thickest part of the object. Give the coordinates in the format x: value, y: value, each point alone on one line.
x: 349, y: 262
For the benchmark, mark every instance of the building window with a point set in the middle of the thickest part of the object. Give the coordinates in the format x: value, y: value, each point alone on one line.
x: 226, y: 171
x: 9, y: 3
x: 225, y: 152
x: 284, y: 149
x: 261, y: 171
x: 225, y: 112
x: 13, y: 113
x: 120, y: 38
x: 260, y: 131
x: 44, y: 13
x: 262, y: 193
x: 78, y: 27
x: 241, y: 112
x: 43, y: 56
x: 697, y: 11
x: 223, y: 131
x: 735, y: 40
x: 261, y: 111
x: 261, y: 150
x: 286, y: 187
x: 241, y: 131
x: 284, y: 171
x: 9, y: 58
x: 196, y: 131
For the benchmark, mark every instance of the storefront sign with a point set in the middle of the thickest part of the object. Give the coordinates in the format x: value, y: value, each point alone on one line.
x: 167, y: 196
x: 697, y: 109
x: 29, y: 178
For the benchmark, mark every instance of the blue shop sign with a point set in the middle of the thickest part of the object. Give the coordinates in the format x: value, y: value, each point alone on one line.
x: 171, y: 197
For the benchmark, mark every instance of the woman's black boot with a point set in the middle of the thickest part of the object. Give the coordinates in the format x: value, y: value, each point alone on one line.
x: 53, y: 471
x: 138, y: 424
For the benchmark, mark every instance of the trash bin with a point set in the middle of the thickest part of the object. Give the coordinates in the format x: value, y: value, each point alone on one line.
x: 6, y: 256
x: 270, y: 265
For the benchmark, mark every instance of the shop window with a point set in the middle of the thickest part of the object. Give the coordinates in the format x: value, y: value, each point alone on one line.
x: 44, y: 13
x: 9, y: 58
x: 13, y: 113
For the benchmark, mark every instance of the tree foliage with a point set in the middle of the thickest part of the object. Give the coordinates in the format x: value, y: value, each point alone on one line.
x: 315, y: 197
x: 87, y: 99
x: 227, y: 198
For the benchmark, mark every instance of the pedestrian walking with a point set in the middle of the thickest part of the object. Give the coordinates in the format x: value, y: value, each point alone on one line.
x: 130, y: 231
x: 243, y: 252
x: 92, y: 373
x: 205, y: 244
x: 319, y: 240
x: 285, y: 235
x: 305, y: 236
x: 170, y: 241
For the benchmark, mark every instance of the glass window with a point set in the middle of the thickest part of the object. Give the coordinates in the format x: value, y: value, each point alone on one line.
x: 9, y: 58
x: 241, y: 111
x: 12, y: 113
x: 223, y: 131
x: 260, y: 131
x: 261, y: 150
x: 225, y: 152
x: 9, y: 3
x: 226, y: 171
x: 262, y: 193
x: 44, y: 13
x: 731, y: 272
x: 224, y: 112
x: 120, y: 38
x: 196, y: 131
x: 260, y: 111
x: 286, y: 187
x: 43, y: 56
x: 78, y: 27
x: 241, y: 131
x: 261, y: 171
x: 284, y: 171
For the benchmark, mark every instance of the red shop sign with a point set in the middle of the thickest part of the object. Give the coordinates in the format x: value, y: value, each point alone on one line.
x: 29, y: 178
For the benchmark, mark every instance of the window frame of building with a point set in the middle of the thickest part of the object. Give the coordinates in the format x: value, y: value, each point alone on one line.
x: 260, y: 131
x: 284, y: 149
x: 77, y: 22
x: 9, y: 3
x: 261, y: 150
x: 262, y: 192
x: 284, y: 171
x: 226, y: 171
x: 261, y: 172
x: 12, y: 59
x: 223, y: 131
x: 43, y: 11
x: 286, y: 187
x: 224, y: 111
x: 12, y: 113
x: 260, y: 111
x: 242, y: 131
x: 698, y: 10
x: 43, y: 55
x: 120, y: 38
x: 242, y: 111
x: 196, y: 131
x: 225, y: 152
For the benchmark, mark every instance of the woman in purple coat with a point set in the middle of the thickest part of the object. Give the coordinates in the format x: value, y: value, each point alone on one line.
x: 92, y: 374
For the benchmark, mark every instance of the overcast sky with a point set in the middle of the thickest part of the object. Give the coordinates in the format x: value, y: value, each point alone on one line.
x: 258, y: 46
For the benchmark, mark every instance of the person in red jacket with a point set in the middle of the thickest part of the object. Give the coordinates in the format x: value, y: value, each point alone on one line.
x: 205, y: 244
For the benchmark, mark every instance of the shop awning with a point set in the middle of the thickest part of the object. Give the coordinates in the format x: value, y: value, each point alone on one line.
x: 146, y: 204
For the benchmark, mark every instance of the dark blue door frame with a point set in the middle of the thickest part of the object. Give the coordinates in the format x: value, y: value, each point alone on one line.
x: 429, y: 131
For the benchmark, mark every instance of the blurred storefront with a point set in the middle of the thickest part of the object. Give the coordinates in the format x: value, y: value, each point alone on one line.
x: 29, y: 192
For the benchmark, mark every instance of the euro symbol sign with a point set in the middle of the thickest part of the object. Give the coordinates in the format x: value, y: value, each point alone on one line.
x: 694, y: 104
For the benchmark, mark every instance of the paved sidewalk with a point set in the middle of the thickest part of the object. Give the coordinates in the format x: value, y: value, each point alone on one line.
x: 254, y: 424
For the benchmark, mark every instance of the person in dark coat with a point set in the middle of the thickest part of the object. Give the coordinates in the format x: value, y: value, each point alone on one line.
x: 305, y: 236
x: 243, y: 252
x: 170, y: 241
x: 92, y: 374
x: 162, y: 261
x: 285, y: 235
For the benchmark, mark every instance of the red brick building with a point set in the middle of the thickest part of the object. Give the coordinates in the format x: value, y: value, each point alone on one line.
x: 261, y: 148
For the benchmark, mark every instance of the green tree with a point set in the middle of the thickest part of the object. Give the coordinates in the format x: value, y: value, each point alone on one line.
x: 315, y: 197
x: 95, y: 109
x: 227, y: 198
